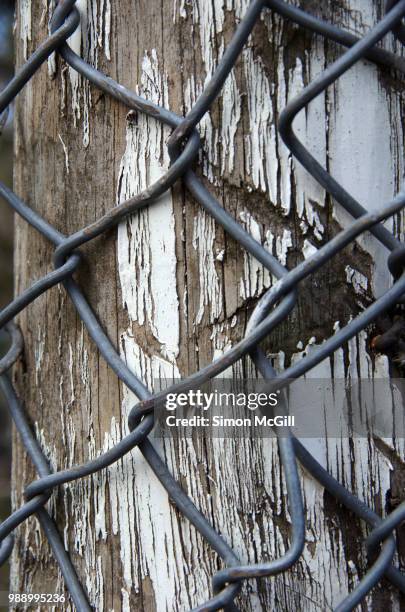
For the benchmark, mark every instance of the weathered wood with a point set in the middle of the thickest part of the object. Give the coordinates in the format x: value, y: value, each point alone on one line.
x: 173, y: 292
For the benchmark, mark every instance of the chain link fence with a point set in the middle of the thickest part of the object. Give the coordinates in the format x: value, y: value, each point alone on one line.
x: 271, y: 310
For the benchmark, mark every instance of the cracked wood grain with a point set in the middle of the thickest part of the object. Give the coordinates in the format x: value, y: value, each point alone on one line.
x: 173, y: 292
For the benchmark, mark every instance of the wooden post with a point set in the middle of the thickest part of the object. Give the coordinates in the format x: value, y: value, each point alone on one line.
x: 173, y: 292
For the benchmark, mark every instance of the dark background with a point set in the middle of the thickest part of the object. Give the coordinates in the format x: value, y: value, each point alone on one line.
x: 6, y: 253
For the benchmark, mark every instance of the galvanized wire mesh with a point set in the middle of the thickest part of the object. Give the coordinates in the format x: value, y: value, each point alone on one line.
x: 273, y: 308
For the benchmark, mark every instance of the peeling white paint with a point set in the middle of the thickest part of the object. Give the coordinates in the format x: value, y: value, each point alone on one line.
x: 261, y: 158
x: 283, y: 244
x: 94, y: 33
x: 146, y: 241
x: 221, y: 343
x: 255, y: 277
x: 308, y: 249
x: 210, y: 18
x: 72, y: 384
x: 361, y: 159
x: 25, y: 25
x: 39, y: 354
x: 147, y: 269
x: 180, y: 11
x: 367, y: 468
x: 104, y: 27
x: 65, y: 151
x: 75, y: 42
x: 210, y: 285
x: 208, y: 157
x: 311, y: 127
x: 358, y: 280
x: 48, y: 10
x: 231, y: 114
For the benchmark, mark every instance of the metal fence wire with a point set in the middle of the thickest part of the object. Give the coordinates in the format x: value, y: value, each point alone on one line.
x: 271, y: 310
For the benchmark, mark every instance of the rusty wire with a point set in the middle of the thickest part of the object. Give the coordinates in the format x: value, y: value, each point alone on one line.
x: 271, y: 310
